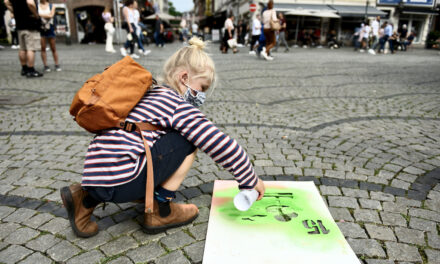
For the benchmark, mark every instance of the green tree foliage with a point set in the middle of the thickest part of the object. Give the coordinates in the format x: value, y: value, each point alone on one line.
x: 172, y: 10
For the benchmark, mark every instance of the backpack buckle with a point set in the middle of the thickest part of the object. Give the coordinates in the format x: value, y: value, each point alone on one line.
x: 129, y: 126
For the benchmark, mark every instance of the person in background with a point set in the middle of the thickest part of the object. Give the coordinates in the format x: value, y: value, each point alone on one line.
x: 365, y: 36
x: 47, y: 12
x: 28, y: 27
x: 388, y: 34
x: 14, y: 34
x: 409, y: 40
x: 184, y: 29
x: 256, y: 31
x: 403, y: 34
x: 268, y: 16
x: 382, y: 40
x: 174, y: 107
x: 128, y: 14
x: 195, y: 29
x: 332, y: 42
x: 375, y: 35
x: 282, y: 33
x: 138, y: 30
x: 109, y: 29
x: 158, y: 32
x: 243, y: 28
x: 228, y: 34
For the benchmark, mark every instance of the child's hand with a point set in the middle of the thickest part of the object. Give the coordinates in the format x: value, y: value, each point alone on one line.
x: 260, y: 189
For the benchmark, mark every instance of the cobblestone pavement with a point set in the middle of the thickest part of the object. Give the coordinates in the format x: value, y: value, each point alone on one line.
x: 364, y: 128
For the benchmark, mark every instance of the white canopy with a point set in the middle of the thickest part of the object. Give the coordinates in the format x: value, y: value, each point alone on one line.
x: 311, y: 12
x: 162, y: 16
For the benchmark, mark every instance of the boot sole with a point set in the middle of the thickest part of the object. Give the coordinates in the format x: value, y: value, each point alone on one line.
x: 67, y: 198
x: 159, y: 229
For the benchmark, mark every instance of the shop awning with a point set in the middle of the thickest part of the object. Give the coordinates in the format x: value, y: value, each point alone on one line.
x: 306, y: 10
x: 314, y: 13
x: 291, y: 7
x: 357, y: 11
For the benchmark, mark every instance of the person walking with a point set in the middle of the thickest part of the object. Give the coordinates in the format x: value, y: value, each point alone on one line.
x: 184, y: 29
x: 109, y: 29
x: 269, y: 33
x: 128, y: 15
x: 137, y: 20
x: 256, y: 31
x: 112, y: 175
x: 14, y: 34
x: 158, y: 32
x: 382, y: 37
x: 28, y: 27
x: 47, y: 12
x: 282, y: 33
x: 375, y: 25
x: 388, y: 34
x: 228, y: 34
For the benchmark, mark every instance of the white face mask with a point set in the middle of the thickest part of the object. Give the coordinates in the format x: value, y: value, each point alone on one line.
x: 195, y: 100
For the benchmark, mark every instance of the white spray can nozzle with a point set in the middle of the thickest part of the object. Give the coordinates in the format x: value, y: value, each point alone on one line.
x: 244, y: 199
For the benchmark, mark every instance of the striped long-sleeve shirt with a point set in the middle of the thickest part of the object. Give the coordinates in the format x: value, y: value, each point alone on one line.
x: 117, y: 157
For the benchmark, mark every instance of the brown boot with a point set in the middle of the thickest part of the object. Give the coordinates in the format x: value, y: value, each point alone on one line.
x: 79, y: 215
x: 181, y: 214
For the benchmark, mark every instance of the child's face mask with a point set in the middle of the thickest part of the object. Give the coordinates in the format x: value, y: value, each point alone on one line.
x: 196, y: 100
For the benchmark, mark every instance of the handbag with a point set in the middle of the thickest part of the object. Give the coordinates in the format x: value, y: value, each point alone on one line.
x: 232, y: 43
x: 274, y: 25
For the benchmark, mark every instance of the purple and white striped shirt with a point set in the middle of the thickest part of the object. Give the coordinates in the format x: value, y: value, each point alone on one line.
x: 117, y: 157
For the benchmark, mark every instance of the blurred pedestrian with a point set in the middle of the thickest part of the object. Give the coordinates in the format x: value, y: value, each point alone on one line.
x: 138, y: 29
x: 109, y: 29
x: 242, y: 31
x: 14, y: 34
x: 184, y: 29
x: 382, y: 37
x: 403, y: 34
x: 228, y: 34
x: 47, y: 11
x: 375, y: 25
x: 195, y: 29
x: 256, y: 31
x: 128, y: 14
x: 28, y: 27
x: 388, y: 34
x: 282, y: 33
x: 158, y: 32
x: 366, y: 30
x: 269, y: 16
x: 89, y: 37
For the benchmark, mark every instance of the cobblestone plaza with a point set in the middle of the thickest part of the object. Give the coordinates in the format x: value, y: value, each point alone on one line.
x: 365, y: 129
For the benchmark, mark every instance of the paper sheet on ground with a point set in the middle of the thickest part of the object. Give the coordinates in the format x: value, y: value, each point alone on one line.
x: 291, y: 224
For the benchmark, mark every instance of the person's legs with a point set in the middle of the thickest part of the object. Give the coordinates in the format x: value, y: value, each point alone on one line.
x: 283, y: 39
x: 43, y: 51
x: 271, y: 41
x: 53, y: 48
x: 391, y: 44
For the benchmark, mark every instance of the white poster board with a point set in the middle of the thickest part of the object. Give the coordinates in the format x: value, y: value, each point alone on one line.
x: 291, y: 224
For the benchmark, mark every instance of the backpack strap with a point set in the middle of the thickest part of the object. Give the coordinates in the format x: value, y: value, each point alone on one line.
x: 149, y: 188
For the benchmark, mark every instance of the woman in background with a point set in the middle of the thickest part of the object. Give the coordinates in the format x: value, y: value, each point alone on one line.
x: 109, y: 29
x: 47, y: 12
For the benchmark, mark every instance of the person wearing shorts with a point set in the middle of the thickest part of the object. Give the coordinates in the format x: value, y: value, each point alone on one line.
x: 47, y: 12
x: 28, y: 26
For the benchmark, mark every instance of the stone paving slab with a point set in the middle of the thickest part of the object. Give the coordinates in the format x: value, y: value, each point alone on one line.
x: 363, y: 128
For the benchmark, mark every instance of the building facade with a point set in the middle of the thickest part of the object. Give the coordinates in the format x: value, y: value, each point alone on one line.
x: 322, y: 16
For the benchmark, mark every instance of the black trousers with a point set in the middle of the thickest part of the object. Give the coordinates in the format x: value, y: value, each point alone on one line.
x: 168, y: 153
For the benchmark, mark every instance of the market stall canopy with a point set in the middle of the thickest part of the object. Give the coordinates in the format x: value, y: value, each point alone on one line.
x: 314, y: 13
x: 162, y: 16
x: 292, y: 7
x: 357, y: 11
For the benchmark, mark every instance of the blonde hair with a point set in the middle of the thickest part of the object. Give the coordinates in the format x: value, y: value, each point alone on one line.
x: 192, y: 58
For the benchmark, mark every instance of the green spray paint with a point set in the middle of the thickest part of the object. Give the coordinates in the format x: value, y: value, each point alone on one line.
x: 284, y: 210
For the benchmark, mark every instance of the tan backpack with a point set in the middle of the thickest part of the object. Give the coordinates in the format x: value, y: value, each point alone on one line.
x: 106, y: 99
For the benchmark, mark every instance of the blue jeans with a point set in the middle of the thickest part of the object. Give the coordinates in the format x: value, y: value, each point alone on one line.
x: 158, y: 38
